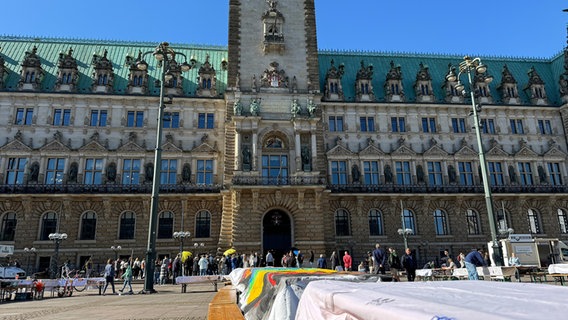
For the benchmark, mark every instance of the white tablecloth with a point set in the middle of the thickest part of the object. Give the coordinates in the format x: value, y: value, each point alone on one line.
x: 558, y: 268
x: 327, y: 299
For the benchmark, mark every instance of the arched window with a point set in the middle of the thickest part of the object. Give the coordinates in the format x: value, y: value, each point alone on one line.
x: 441, y: 222
x: 563, y: 221
x: 32, y: 78
x: 100, y: 79
x: 342, y: 223
x: 534, y: 221
x: 8, y: 230
x: 502, y: 221
x: 127, y: 225
x: 27, y: 79
x: 208, y: 83
x: 409, y: 221
x: 166, y: 225
x: 375, y: 223
x: 203, y: 224
x: 88, y: 226
x: 48, y: 225
x: 472, y: 218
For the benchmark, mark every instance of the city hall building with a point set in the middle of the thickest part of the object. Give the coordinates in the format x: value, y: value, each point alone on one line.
x: 270, y: 143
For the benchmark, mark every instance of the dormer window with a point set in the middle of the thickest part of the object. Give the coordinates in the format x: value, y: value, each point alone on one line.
x: 273, y: 22
x: 508, y: 87
x: 535, y: 88
x: 363, y: 83
x: 452, y: 94
x: 423, y: 85
x: 103, y: 75
x: 394, y: 91
x: 333, y: 90
x: 68, y: 73
x: 32, y: 73
x: 207, y: 80
x: 3, y: 72
x: 481, y: 84
x: 138, y: 77
x: 174, y: 79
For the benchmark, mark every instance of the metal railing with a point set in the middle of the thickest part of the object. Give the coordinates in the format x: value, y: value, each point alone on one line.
x: 105, y: 188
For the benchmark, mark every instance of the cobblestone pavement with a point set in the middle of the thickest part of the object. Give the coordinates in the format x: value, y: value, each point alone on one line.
x: 167, y: 304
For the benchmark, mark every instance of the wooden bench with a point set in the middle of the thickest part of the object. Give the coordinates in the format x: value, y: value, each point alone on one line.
x: 224, y: 305
x: 559, y: 277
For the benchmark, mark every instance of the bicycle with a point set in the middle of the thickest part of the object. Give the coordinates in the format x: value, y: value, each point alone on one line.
x: 72, y: 280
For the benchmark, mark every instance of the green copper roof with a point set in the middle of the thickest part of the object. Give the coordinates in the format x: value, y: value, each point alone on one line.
x: 548, y: 69
x: 14, y: 48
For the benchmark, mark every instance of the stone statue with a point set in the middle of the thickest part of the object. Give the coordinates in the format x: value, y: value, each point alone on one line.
x: 388, y: 174
x: 295, y: 108
x: 306, y: 158
x: 355, y: 173
x: 311, y: 107
x: 253, y: 82
x: 452, y: 174
x: 246, y: 158
x: 512, y: 174
x: 186, y: 173
x: 254, y: 108
x: 238, y: 108
x: 72, y: 175
x: 420, y: 174
x: 34, y: 172
x: 111, y: 172
x: 542, y: 175
x: 238, y: 81
x: 148, y: 172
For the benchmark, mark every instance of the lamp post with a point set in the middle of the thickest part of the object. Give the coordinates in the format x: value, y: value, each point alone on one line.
x: 198, y: 245
x: 56, y: 238
x: 166, y: 59
x: 469, y: 65
x: 29, y: 252
x: 405, y: 233
x: 181, y: 236
x: 116, y: 250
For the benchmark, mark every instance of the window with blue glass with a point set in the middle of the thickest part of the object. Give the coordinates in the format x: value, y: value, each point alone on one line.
x: 131, y: 171
x: 517, y: 126
x: 554, y: 173
x: 429, y: 125
x: 472, y: 218
x: 98, y: 118
x: 204, y: 173
x: 166, y: 225
x: 61, y: 117
x: 15, y: 170
x: 466, y: 173
x: 93, y: 173
x: 168, y: 172
x: 206, y: 121
x: 275, y: 168
x: 24, y: 116
x: 8, y: 228
x: 375, y: 223
x: 88, y: 226
x: 203, y: 224
x: 48, y: 225
x: 398, y: 124
x: 534, y: 221
x: 371, y: 172
x: 488, y: 126
x: 336, y: 123
x: 544, y: 127
x: 171, y: 120
x: 367, y: 124
x: 127, y: 225
x: 562, y: 220
x: 135, y: 119
x: 54, y: 172
x: 338, y: 172
x: 496, y: 173
x: 441, y: 222
x: 342, y: 223
x: 435, y: 173
x: 403, y: 174
x: 408, y: 220
x: 458, y: 125
x: 525, y: 173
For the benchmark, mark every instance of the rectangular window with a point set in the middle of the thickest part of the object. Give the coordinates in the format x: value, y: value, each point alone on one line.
x: 496, y: 173
x: 371, y: 172
x: 339, y: 172
x: 429, y: 125
x: 555, y: 174
x: 171, y: 120
x: 367, y: 124
x: 15, y: 170
x: 398, y: 124
x: 525, y: 173
x: 93, y: 171
x: 24, y: 116
x: 131, y: 171
x: 135, y: 119
x: 204, y: 172
x: 98, y: 118
x: 168, y: 171
x: 544, y: 127
x: 54, y: 172
x: 336, y: 123
x: 61, y: 117
x: 466, y: 173
x: 275, y: 169
x: 517, y: 126
x: 403, y: 174
x: 435, y: 173
x: 488, y: 126
x: 458, y: 125
x: 206, y: 121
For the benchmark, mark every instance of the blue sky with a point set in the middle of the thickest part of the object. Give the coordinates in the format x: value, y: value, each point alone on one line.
x: 519, y: 28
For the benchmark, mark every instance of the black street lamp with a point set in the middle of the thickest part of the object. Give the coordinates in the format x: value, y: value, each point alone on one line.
x: 181, y: 236
x: 29, y: 252
x: 166, y: 61
x: 469, y: 65
x: 116, y: 250
x: 56, y: 238
x: 405, y: 233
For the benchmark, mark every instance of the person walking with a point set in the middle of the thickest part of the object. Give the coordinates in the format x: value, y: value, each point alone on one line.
x: 409, y: 264
x: 203, y: 264
x: 379, y: 259
x: 394, y: 263
x: 334, y: 261
x: 127, y: 276
x: 269, y: 259
x: 109, y: 276
x: 347, y: 261
x: 88, y: 267
x: 473, y: 260
x: 322, y: 263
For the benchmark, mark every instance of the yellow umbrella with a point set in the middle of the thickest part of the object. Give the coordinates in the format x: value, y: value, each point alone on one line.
x: 185, y: 255
x: 229, y: 251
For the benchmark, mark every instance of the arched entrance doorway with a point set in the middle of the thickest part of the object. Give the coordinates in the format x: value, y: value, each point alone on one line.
x: 276, y: 234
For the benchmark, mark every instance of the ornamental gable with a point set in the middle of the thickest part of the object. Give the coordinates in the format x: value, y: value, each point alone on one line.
x: 131, y: 146
x: 403, y: 150
x: 526, y: 152
x: 15, y: 145
x: 55, y: 146
x: 204, y: 148
x: 170, y: 147
x: 497, y: 151
x: 93, y: 147
x: 371, y: 150
x: 436, y: 150
x: 466, y: 152
x: 338, y: 151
